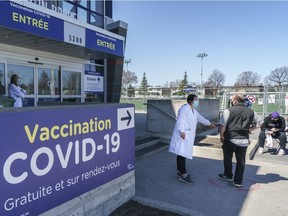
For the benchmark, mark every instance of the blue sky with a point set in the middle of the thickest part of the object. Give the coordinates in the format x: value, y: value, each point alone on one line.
x: 164, y: 38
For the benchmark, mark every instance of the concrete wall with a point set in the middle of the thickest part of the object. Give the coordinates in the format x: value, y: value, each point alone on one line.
x: 100, y: 201
x: 162, y: 114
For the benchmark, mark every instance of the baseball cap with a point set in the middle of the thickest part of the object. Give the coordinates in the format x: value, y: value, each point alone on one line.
x: 275, y: 115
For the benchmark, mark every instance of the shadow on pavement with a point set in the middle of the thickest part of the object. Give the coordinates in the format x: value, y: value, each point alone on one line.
x: 156, y: 179
x: 133, y: 208
x: 269, y: 178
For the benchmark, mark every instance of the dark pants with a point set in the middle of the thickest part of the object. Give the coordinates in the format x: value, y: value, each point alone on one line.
x: 181, y: 164
x: 280, y: 135
x: 240, y: 152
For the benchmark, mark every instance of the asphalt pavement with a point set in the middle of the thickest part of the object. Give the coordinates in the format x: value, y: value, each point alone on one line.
x: 264, y: 192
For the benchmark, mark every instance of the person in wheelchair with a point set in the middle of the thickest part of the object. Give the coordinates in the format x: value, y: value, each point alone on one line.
x: 274, y: 126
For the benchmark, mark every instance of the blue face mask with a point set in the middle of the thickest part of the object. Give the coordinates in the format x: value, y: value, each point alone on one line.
x: 195, y: 104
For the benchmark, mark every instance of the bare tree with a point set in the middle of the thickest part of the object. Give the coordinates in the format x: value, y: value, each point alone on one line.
x: 267, y: 82
x: 248, y: 79
x: 175, y: 84
x: 166, y: 85
x: 216, y: 79
x: 128, y: 78
x: 278, y: 77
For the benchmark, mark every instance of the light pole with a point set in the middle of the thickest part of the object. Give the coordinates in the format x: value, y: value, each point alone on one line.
x: 202, y: 55
x: 127, y: 62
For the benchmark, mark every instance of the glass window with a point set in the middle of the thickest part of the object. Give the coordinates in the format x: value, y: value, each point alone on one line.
x: 71, y: 83
x: 108, y: 8
x: 97, y: 20
x: 83, y: 3
x: 97, y: 6
x: 51, y: 4
x: 82, y: 15
x: 26, y: 74
x: 2, y: 79
x: 97, y: 61
x: 48, y: 81
x: 72, y: 100
x: 69, y: 9
x: 94, y: 98
x: 100, y: 69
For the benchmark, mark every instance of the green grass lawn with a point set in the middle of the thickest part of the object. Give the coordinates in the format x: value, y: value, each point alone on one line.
x: 139, y: 104
x: 270, y: 108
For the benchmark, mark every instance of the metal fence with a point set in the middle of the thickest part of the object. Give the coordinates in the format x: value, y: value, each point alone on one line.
x: 264, y: 102
x: 268, y: 100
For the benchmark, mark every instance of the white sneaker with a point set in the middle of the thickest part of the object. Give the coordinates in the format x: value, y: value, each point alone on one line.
x: 261, y: 150
x: 281, y: 152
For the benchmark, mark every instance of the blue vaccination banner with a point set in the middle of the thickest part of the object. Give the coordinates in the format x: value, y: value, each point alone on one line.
x: 48, y: 157
x: 104, y: 43
x: 21, y: 18
x: 18, y: 17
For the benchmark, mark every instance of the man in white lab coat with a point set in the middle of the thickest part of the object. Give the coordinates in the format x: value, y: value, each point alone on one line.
x: 15, y: 91
x: 183, y: 136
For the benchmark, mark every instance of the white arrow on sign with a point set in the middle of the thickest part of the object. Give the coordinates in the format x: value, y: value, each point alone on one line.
x: 125, y: 119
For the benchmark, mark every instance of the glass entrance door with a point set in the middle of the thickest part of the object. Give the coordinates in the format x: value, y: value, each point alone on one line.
x: 41, y: 82
x: 48, y: 84
x: 26, y: 74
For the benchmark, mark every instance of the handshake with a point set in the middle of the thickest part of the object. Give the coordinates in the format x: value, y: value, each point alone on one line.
x: 213, y: 125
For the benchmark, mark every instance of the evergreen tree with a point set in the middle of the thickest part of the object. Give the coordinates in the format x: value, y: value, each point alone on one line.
x: 183, y: 83
x: 144, y: 84
x: 131, y: 91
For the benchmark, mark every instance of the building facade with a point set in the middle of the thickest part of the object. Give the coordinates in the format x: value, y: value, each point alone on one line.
x: 63, y: 50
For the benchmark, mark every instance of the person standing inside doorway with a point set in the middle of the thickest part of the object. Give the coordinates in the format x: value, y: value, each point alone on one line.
x: 15, y: 91
x: 235, y: 126
x: 183, y: 136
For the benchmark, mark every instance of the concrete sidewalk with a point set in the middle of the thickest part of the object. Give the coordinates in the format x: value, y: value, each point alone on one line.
x: 264, y: 192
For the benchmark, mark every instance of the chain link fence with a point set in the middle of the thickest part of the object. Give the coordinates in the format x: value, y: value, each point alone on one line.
x: 265, y: 99
x: 268, y: 100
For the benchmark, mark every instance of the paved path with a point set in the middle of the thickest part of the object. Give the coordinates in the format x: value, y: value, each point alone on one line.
x: 264, y: 192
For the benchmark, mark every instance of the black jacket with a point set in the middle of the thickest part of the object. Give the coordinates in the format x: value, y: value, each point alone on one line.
x: 268, y: 124
x: 239, y: 121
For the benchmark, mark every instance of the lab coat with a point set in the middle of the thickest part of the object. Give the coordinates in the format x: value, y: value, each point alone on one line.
x: 17, y: 93
x: 186, y: 122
